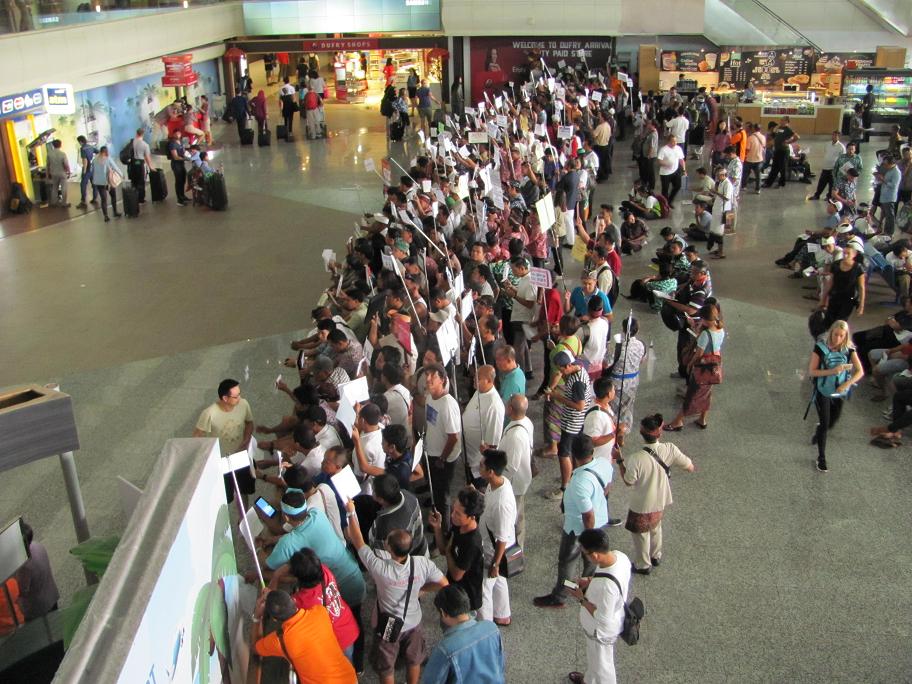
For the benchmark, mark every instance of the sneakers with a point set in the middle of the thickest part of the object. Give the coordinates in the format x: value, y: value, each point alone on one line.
x: 555, y: 494
x: 82, y: 205
x: 640, y: 571
x: 655, y: 562
x: 822, y: 467
x: 547, y: 601
x: 614, y: 522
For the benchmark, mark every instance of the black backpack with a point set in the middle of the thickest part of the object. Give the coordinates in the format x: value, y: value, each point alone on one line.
x: 386, y: 107
x: 126, y: 153
x: 634, y: 612
x: 19, y: 202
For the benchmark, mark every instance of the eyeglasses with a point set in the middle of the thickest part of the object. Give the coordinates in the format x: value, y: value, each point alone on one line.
x: 234, y: 396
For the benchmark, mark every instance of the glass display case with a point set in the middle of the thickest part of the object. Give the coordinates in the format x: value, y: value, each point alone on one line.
x: 781, y: 103
x: 892, y: 91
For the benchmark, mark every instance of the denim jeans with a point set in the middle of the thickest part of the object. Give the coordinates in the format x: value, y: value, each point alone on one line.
x: 567, y: 556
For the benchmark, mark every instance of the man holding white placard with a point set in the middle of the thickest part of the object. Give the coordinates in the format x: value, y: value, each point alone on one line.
x: 443, y: 437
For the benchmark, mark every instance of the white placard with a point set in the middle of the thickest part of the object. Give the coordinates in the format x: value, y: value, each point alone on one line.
x: 481, y: 107
x: 470, y: 110
x: 426, y: 185
x: 497, y: 196
x: 464, y: 151
x: 389, y: 262
x: 329, y: 256
x: 369, y: 165
x: 596, y: 96
x: 462, y: 186
x: 541, y: 277
x: 252, y: 529
x: 448, y: 340
x: 545, y: 209
x: 564, y: 132
x: 502, y: 120
x: 350, y: 393
x: 478, y: 138
x: 541, y: 130
x: 346, y: 484
x: 498, y: 102
x: 583, y: 101
x: 417, y: 453
x: 466, y: 306
x: 493, y: 130
x: 561, y: 64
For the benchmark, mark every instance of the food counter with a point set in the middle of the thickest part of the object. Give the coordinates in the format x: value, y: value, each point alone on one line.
x: 808, y: 117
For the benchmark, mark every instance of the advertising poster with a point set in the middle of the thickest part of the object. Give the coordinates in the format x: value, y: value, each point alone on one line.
x: 830, y: 65
x: 496, y: 62
x: 689, y: 61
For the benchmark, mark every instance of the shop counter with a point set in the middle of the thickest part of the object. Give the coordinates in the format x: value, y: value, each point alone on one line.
x: 822, y: 119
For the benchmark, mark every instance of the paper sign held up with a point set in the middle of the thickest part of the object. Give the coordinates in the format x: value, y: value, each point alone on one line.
x: 541, y: 130
x: 425, y: 185
x: 346, y: 484
x: 464, y: 151
x: 369, y: 165
x: 541, y: 277
x: 493, y: 130
x: 502, y: 120
x: 478, y: 138
x: 564, y: 132
x: 545, y: 209
x: 561, y: 64
x: 498, y: 102
x: 462, y: 187
x: 596, y: 96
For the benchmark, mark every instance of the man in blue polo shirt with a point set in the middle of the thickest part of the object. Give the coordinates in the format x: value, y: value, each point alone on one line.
x: 577, y: 301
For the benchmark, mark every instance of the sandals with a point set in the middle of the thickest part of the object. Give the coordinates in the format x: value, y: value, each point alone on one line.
x: 672, y: 428
x: 885, y: 442
x: 700, y: 425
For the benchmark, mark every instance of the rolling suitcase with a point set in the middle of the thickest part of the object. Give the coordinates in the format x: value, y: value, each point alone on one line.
x: 130, y: 201
x: 247, y: 136
x: 264, y: 139
x: 216, y: 192
x: 158, y: 185
x: 281, y: 132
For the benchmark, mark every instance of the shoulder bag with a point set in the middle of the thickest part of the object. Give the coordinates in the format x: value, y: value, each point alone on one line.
x: 389, y: 627
x: 280, y: 634
x: 634, y: 612
x: 115, y: 178
x: 708, y: 368
x: 513, y: 562
x: 658, y: 460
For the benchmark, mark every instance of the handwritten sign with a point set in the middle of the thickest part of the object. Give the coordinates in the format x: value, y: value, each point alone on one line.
x: 564, y: 132
x: 541, y: 277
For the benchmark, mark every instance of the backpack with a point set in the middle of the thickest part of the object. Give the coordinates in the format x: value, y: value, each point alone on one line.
x: 828, y: 384
x: 126, y: 153
x: 19, y: 202
x: 386, y: 107
x: 634, y: 612
x: 663, y: 203
x: 818, y: 323
x: 311, y: 101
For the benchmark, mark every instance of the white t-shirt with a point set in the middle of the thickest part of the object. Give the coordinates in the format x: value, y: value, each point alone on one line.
x: 372, y: 445
x: 287, y: 89
x: 318, y: 85
x: 398, y: 400
x: 524, y: 290
x: 443, y: 419
x: 516, y: 443
x: 678, y: 128
x: 669, y: 159
x: 597, y: 345
x: 498, y: 518
x: 327, y: 437
x: 606, y: 623
x: 482, y: 423
x: 599, y: 423
x: 312, y: 461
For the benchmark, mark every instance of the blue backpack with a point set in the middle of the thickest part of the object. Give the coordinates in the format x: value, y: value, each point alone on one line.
x: 828, y: 384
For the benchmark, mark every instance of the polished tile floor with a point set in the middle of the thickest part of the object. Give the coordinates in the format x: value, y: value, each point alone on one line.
x: 773, y: 572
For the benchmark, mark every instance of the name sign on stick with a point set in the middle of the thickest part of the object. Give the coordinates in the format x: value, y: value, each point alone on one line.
x: 502, y: 120
x: 541, y: 277
x: 369, y: 165
x: 565, y: 132
x: 545, y: 209
x: 476, y: 138
x: 596, y: 96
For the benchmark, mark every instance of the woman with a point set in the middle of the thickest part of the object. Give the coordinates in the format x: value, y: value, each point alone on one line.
x: 701, y: 376
x: 317, y: 587
x: 846, y: 288
x: 399, y: 121
x: 831, y: 362
x: 412, y: 85
x: 720, y: 141
x: 103, y: 170
x: 568, y: 342
x: 205, y: 121
x: 389, y: 72
x: 629, y: 356
x: 634, y: 233
x: 258, y: 109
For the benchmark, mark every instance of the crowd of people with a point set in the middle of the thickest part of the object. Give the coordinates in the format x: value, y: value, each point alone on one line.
x: 438, y: 311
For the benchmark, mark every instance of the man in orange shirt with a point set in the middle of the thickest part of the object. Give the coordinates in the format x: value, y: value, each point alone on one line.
x: 305, y: 638
x: 739, y: 138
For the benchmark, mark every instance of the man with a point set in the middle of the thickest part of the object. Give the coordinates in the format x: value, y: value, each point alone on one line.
x: 512, y: 378
x: 230, y: 420
x: 782, y: 138
x: 400, y: 578
x: 889, y: 193
x: 725, y: 203
x: 678, y: 127
x: 753, y: 157
x: 601, y: 137
x: 58, y: 170
x: 482, y: 421
x: 425, y: 106
x: 649, y: 160
x: 86, y: 153
x: 442, y: 439
x: 832, y: 152
x: 573, y: 401
x: 577, y: 300
x: 38, y: 593
x: 602, y: 600
x: 142, y: 160
x: 648, y: 473
x: 471, y: 652
x: 399, y: 510
x: 368, y: 446
x: 585, y: 508
x: 306, y: 639
x: 287, y: 103
x: 463, y: 548
x: 498, y: 533
x: 735, y: 167
x: 239, y: 108
x: 525, y: 307
x: 176, y: 155
x: 601, y: 427
x: 671, y: 168
x: 516, y: 443
x: 688, y: 300
x: 398, y: 397
x: 347, y: 353
x: 845, y: 191
x: 326, y: 435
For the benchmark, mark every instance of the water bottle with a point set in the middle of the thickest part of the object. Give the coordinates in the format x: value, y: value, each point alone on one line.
x: 650, y: 361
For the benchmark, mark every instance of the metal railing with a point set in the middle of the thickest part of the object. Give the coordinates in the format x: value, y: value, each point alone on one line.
x: 779, y: 31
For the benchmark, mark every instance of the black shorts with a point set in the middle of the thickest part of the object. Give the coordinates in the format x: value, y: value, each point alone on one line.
x: 246, y: 483
x: 566, y: 443
x: 413, y: 92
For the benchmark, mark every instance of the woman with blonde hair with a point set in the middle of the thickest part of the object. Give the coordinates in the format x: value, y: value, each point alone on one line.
x: 704, y: 369
x: 834, y: 367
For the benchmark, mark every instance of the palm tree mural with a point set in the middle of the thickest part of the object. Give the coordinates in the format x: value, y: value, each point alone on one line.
x: 210, y: 631
x: 96, y: 119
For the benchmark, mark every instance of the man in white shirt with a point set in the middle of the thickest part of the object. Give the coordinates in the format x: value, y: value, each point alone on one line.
x: 398, y: 398
x: 600, y: 425
x: 671, y: 168
x: 326, y: 434
x: 498, y: 533
x: 602, y: 598
x: 678, y: 127
x: 525, y: 307
x: 368, y: 442
x: 831, y: 153
x: 725, y: 192
x: 482, y: 420
x: 516, y: 443
x: 595, y: 337
x: 647, y: 473
x: 442, y: 438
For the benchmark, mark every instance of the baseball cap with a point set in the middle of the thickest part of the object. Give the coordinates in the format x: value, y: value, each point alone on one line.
x: 828, y: 241
x: 562, y: 358
x: 401, y: 245
x: 855, y: 244
x: 836, y: 203
x: 844, y: 228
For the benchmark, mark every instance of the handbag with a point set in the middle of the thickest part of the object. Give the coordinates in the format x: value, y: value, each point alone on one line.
x: 708, y: 369
x: 389, y: 627
x: 513, y: 562
x: 115, y: 178
x: 634, y: 612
